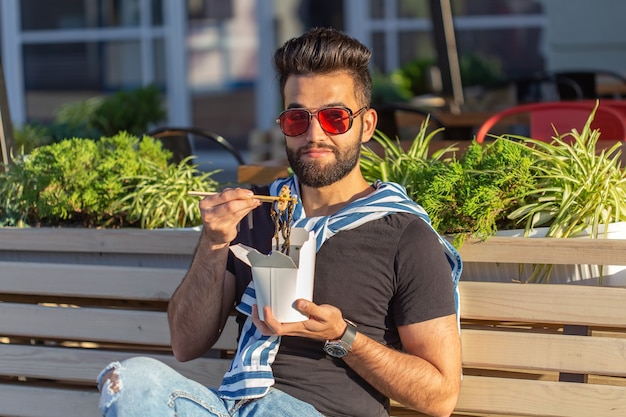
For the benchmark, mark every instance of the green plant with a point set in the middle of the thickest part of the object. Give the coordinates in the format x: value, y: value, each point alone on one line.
x: 568, y: 185
x: 160, y: 197
x: 579, y: 188
x: 393, y: 163
x: 414, y: 75
x: 467, y: 197
x: 82, y: 182
x: 131, y: 111
x: 31, y: 136
x: 413, y: 78
x: 389, y: 89
x: 478, y: 70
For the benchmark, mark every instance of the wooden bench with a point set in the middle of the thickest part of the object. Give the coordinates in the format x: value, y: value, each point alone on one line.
x: 100, y: 296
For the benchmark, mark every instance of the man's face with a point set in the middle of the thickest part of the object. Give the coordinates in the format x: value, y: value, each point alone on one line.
x: 318, y: 158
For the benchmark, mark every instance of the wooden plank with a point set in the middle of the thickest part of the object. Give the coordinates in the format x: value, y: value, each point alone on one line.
x: 544, y: 303
x: 183, y: 242
x: 158, y: 241
x: 540, y: 398
x: 550, y: 352
x: 91, y: 281
x: 27, y: 401
x: 102, y: 325
x: 82, y: 366
x: 85, y: 324
x: 545, y: 251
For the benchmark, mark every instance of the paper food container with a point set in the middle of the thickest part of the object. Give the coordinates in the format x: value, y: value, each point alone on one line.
x: 279, y: 280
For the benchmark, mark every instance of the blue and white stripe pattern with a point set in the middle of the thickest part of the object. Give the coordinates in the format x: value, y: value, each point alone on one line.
x: 250, y: 375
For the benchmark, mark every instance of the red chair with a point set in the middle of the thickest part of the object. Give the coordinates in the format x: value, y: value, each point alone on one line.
x: 617, y: 105
x: 563, y: 116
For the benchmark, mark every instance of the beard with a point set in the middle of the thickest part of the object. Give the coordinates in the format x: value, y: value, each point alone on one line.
x: 313, y: 174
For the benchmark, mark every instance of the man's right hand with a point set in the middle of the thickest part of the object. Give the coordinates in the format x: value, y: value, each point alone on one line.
x: 221, y: 213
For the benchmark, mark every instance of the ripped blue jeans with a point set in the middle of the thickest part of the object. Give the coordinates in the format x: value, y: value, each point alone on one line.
x: 139, y: 387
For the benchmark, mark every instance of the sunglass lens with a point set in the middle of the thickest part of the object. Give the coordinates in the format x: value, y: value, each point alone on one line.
x: 295, y: 122
x: 334, y: 120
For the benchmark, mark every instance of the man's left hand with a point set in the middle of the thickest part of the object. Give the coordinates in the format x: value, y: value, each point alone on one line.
x: 325, y: 322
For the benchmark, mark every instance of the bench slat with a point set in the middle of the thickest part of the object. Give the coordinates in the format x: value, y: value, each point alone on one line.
x: 91, y: 281
x: 87, y: 324
x: 165, y: 241
x: 544, y: 303
x: 17, y: 401
x: 82, y: 366
x: 551, y: 352
x: 96, y: 325
x: 541, y: 398
x: 544, y: 250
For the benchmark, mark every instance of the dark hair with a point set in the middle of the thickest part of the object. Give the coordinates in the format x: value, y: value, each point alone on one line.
x: 322, y: 51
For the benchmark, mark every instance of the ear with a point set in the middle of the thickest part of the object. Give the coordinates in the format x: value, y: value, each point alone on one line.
x: 370, y: 119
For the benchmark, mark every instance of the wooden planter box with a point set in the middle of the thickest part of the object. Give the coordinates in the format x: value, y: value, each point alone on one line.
x: 611, y: 274
x: 509, y: 251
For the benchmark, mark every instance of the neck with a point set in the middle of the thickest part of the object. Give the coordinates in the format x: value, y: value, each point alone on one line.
x: 328, y: 200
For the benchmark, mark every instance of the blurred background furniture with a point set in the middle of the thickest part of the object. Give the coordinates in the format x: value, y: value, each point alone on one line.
x: 543, y: 119
x: 403, y: 120
x: 532, y: 88
x: 213, y: 151
x: 593, y: 84
x: 179, y: 141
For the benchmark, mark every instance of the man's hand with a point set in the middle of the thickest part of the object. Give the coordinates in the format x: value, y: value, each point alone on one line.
x: 325, y: 322
x: 221, y: 213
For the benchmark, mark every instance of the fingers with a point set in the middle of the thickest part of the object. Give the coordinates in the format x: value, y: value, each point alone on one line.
x: 229, y: 201
x: 325, y: 322
x: 221, y: 213
x: 260, y: 325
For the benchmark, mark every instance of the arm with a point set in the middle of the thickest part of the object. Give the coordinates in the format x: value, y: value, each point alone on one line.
x: 200, y: 305
x: 426, y: 376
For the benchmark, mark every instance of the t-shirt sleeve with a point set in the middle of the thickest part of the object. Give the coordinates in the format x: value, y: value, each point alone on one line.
x: 425, y: 289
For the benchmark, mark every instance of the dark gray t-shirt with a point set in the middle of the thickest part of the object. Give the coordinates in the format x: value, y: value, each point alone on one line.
x: 382, y: 274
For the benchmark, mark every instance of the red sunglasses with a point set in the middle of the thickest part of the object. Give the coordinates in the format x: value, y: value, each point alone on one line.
x: 333, y: 120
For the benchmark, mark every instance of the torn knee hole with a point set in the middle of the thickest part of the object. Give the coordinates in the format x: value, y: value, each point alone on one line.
x: 111, y: 381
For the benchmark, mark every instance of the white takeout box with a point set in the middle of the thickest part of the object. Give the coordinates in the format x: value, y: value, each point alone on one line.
x: 279, y: 280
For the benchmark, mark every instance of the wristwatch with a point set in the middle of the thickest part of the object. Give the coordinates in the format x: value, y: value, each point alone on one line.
x: 340, y: 348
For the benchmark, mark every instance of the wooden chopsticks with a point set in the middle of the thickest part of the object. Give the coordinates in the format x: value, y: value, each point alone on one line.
x: 264, y: 198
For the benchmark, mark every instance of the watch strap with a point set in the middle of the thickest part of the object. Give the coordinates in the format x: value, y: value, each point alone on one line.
x: 350, y: 334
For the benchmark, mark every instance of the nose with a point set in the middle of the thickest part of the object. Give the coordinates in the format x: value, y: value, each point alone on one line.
x: 315, y: 132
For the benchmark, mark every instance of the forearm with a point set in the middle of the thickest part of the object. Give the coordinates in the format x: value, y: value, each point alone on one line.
x: 408, y: 379
x: 196, y: 309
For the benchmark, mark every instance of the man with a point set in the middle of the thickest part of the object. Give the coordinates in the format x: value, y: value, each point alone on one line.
x: 382, y: 321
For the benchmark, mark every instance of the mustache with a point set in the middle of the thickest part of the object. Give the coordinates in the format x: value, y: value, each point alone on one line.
x: 314, y: 147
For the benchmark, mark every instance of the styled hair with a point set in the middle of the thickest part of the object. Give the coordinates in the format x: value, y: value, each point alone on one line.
x: 323, y: 51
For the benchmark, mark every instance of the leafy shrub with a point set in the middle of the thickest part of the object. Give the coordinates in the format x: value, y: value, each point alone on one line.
x: 389, y: 89
x: 467, y: 197
x: 475, y: 70
x: 580, y: 188
x: 130, y: 111
x: 83, y: 182
x: 31, y: 136
x: 567, y: 185
x: 161, y: 198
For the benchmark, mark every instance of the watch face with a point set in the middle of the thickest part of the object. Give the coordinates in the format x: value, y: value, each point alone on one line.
x: 335, y: 350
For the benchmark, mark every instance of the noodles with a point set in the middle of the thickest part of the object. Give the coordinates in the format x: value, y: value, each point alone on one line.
x: 282, y: 215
